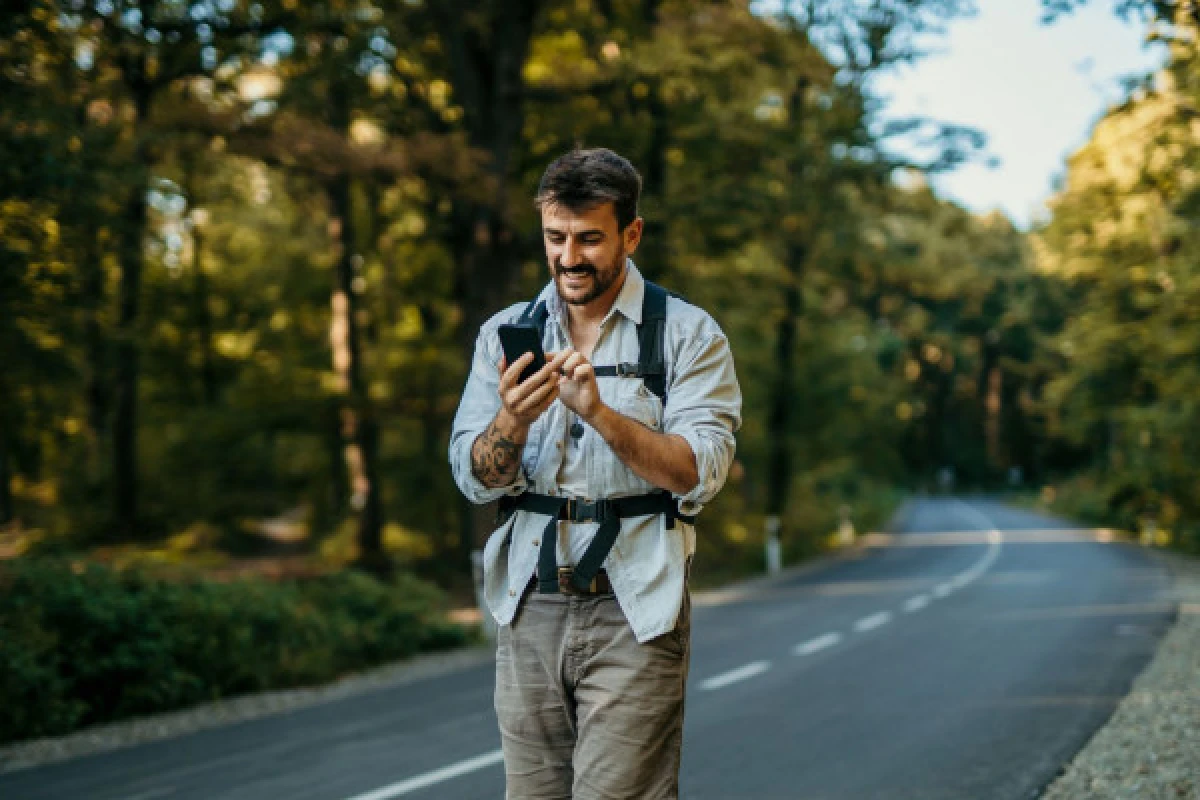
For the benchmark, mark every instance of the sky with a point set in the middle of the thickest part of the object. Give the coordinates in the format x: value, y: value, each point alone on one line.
x: 1035, y: 90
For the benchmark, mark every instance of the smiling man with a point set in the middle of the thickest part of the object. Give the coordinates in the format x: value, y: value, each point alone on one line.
x: 600, y: 461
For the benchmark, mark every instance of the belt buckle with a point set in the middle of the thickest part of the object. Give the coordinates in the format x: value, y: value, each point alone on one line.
x: 564, y: 582
x: 565, y: 586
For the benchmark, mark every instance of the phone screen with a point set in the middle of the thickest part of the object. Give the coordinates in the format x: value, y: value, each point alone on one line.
x: 517, y: 340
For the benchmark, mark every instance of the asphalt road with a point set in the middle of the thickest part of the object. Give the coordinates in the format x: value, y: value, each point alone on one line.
x: 970, y: 656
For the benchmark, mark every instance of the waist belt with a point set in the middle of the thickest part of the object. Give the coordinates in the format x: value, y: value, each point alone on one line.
x: 608, y: 512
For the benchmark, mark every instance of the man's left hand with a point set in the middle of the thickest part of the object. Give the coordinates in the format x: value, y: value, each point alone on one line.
x: 577, y: 387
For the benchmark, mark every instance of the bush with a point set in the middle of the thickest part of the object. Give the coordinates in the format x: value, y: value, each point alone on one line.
x: 82, y: 644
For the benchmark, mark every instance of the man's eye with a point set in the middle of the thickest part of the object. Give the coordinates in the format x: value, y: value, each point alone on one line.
x: 591, y: 240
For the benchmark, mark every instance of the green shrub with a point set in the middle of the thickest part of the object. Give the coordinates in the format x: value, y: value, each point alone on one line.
x: 82, y: 644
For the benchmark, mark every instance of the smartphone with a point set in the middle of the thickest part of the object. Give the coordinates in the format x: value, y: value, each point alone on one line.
x: 517, y: 340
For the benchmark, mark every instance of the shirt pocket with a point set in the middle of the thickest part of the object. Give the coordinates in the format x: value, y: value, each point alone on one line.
x: 632, y: 399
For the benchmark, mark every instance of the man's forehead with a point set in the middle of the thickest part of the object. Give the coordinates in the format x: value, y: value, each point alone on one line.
x: 559, y: 217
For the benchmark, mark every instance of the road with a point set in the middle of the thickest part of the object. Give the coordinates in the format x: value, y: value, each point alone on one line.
x: 970, y: 656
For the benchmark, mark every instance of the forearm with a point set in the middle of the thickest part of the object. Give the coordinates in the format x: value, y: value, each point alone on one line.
x: 663, y: 459
x: 496, y: 453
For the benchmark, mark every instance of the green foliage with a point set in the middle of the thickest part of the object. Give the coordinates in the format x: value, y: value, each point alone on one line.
x: 1123, y: 382
x: 82, y: 644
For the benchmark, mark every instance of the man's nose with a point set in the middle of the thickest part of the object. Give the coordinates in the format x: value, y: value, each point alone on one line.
x: 570, y: 254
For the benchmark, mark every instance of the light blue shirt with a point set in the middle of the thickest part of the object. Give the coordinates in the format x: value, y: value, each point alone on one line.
x: 704, y: 402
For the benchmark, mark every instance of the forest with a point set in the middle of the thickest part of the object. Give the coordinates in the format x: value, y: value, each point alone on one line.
x: 245, y: 248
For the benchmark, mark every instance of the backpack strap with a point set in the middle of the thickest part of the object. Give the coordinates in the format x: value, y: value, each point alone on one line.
x: 651, y: 365
x: 652, y: 335
x: 535, y: 314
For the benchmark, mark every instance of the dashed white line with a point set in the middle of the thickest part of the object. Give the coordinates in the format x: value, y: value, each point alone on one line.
x: 822, y: 642
x: 943, y: 589
x: 916, y: 603
x: 735, y: 675
x: 873, y: 621
x: 430, y: 778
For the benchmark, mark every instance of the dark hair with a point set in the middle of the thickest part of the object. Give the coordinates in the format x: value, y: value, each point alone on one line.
x: 584, y: 179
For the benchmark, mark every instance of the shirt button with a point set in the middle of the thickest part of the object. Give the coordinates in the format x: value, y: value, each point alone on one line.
x: 536, y: 542
x: 512, y: 592
x: 559, y: 445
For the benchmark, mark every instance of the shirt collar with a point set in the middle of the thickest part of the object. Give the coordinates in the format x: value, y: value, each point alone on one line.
x: 628, y: 302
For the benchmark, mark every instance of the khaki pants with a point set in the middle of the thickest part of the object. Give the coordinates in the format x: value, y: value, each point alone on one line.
x: 586, y: 711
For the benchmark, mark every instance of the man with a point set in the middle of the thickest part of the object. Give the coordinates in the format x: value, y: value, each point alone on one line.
x: 591, y: 665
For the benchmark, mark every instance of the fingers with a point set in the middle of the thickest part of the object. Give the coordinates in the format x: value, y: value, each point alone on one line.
x: 538, y: 400
x: 515, y: 396
x: 511, y: 373
x: 577, y: 368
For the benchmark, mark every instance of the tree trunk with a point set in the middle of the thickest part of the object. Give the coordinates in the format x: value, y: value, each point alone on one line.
x: 7, y: 510
x: 359, y: 427
x: 126, y: 352
x: 125, y: 486
x: 779, y: 416
x: 655, y: 247
x: 487, y: 77
x: 97, y: 389
x: 201, y: 316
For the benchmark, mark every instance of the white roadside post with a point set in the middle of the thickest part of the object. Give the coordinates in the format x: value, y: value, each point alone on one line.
x: 845, y: 527
x: 487, y: 623
x: 774, y: 551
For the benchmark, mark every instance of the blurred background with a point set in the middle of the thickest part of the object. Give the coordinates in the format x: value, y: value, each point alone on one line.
x: 245, y: 248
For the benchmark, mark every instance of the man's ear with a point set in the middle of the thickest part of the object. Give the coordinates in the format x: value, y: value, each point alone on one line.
x: 633, y: 235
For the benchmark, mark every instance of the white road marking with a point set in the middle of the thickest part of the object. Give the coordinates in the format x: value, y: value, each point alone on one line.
x: 821, y: 642
x: 735, y: 675
x: 430, y: 778
x: 942, y: 589
x: 873, y: 621
x: 916, y: 603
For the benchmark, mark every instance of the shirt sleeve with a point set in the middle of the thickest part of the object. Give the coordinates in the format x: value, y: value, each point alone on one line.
x: 704, y: 406
x: 478, y: 407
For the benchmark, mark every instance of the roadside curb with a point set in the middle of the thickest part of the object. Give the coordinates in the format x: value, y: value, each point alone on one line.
x: 1148, y: 747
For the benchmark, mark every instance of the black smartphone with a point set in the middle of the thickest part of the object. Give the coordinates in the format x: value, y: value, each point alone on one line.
x: 517, y: 340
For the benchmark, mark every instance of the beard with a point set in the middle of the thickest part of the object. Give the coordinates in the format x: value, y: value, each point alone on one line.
x: 597, y: 280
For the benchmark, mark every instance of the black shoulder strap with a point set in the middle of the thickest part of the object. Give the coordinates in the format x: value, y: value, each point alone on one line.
x: 652, y: 334
x: 535, y: 314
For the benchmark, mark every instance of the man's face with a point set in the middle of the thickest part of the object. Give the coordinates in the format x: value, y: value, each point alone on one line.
x: 585, y: 251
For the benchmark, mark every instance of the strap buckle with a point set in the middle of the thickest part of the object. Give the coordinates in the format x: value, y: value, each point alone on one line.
x: 629, y: 369
x: 567, y: 586
x: 586, y: 510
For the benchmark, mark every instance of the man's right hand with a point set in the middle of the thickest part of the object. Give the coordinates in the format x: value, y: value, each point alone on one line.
x: 496, y: 453
x: 523, y: 402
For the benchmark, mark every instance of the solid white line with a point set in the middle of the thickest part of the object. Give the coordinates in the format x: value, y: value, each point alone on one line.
x: 821, y: 642
x: 430, y: 778
x: 733, y: 676
x: 873, y: 621
x: 916, y: 603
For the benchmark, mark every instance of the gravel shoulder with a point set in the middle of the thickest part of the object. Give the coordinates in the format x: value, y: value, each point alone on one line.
x: 1150, y: 747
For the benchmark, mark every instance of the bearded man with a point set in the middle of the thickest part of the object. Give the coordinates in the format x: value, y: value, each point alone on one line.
x: 600, y: 460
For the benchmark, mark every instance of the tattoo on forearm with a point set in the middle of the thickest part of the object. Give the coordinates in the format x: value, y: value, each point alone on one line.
x: 495, y: 457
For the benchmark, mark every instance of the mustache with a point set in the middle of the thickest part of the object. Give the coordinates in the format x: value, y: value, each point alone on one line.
x: 579, y: 269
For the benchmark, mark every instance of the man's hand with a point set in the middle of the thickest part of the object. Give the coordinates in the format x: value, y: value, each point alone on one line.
x: 525, y: 402
x: 665, y: 460
x: 577, y: 387
x: 496, y: 453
